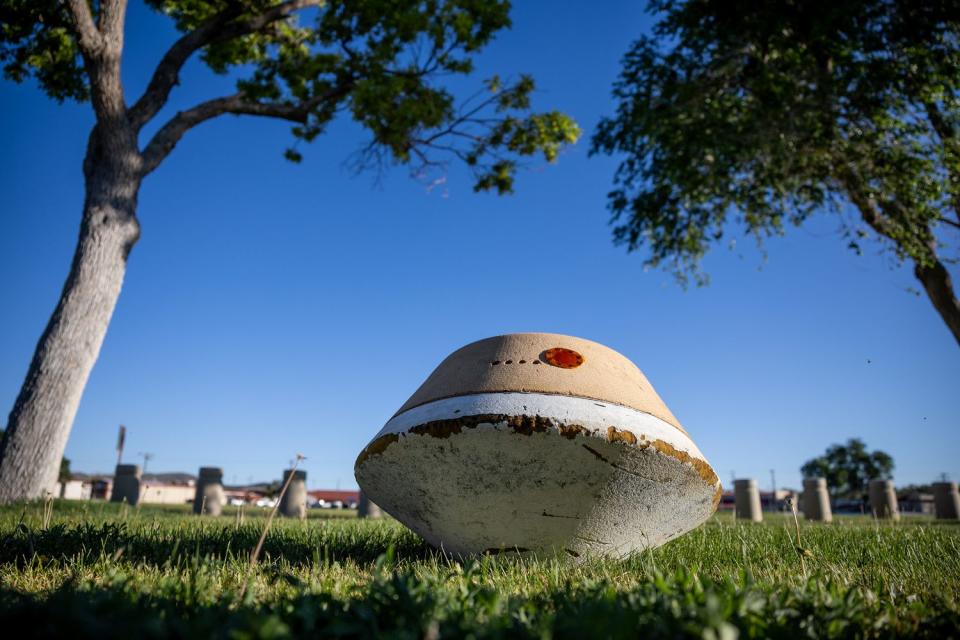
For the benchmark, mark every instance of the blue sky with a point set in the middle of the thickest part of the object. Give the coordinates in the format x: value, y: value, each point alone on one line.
x: 272, y: 308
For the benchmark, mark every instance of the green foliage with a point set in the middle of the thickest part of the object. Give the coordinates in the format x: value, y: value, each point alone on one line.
x: 99, y: 570
x: 758, y: 114
x: 36, y: 40
x: 849, y: 468
x: 378, y: 60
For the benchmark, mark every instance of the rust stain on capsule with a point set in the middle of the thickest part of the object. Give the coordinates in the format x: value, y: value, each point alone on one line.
x: 376, y: 447
x: 618, y: 435
x: 529, y: 424
x: 701, y: 467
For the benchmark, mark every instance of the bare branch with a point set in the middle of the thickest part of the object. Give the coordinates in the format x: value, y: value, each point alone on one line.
x: 170, y: 134
x: 88, y: 37
x: 223, y: 26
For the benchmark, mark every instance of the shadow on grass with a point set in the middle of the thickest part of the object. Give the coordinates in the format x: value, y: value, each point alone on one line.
x: 400, y: 605
x: 299, y: 545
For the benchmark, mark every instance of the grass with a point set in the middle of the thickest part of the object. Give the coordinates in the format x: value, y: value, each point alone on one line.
x: 100, y: 570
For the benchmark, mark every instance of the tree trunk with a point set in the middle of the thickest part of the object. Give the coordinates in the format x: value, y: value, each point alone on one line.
x: 939, y: 287
x: 43, y: 413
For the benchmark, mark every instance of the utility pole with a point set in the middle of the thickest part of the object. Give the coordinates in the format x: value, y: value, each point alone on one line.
x: 147, y: 457
x: 120, y: 440
x: 773, y: 490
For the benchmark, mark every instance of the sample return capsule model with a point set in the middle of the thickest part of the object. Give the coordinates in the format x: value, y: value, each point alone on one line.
x: 538, y: 442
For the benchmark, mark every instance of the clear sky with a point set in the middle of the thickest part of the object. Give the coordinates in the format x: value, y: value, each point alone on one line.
x: 272, y: 308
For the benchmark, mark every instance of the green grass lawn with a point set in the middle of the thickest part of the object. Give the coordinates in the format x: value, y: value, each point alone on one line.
x: 96, y: 570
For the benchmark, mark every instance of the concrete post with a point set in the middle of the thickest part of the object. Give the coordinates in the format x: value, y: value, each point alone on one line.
x: 816, y: 501
x: 747, y: 500
x: 209, y: 497
x: 126, y: 484
x: 368, y: 509
x: 946, y: 500
x: 294, y: 503
x: 883, y: 499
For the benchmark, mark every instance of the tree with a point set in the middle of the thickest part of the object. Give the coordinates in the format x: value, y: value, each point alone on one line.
x: 303, y: 61
x: 849, y: 468
x: 756, y: 114
x: 63, y: 474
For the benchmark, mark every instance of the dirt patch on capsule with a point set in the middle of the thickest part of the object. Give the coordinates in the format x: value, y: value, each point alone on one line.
x: 621, y: 435
x: 701, y: 467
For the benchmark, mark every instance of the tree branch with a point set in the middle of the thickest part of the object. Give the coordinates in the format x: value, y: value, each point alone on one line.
x: 857, y: 190
x: 101, y: 49
x: 221, y: 27
x: 88, y: 37
x: 112, y: 15
x: 170, y: 134
x: 949, y: 222
x: 948, y: 137
x: 931, y: 273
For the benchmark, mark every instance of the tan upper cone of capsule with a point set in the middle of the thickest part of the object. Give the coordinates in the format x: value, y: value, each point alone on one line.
x: 605, y: 375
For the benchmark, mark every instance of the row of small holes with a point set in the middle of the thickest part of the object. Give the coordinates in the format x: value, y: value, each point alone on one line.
x: 496, y: 362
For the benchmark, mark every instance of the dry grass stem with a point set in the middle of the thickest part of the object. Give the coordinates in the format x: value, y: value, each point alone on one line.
x: 266, y: 527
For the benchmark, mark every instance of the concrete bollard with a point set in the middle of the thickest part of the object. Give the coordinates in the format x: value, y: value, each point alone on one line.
x: 816, y: 501
x: 747, y: 500
x: 209, y: 498
x: 367, y: 508
x: 946, y: 500
x: 126, y: 484
x: 294, y: 503
x: 883, y: 499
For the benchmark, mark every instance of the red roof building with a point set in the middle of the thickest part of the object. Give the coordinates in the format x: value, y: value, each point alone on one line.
x: 331, y: 495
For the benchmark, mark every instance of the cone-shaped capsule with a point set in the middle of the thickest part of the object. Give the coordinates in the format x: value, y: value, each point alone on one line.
x: 816, y: 501
x: 126, y: 484
x: 209, y: 497
x: 747, y: 500
x: 538, y: 442
x: 883, y: 499
x: 294, y: 502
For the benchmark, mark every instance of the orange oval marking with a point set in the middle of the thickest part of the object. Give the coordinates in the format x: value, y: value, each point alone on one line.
x: 563, y: 358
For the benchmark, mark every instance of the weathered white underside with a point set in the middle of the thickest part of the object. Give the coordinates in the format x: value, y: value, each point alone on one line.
x: 486, y: 485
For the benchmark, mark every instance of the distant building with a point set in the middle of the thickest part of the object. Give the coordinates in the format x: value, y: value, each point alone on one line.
x: 156, y: 493
x: 180, y: 488
x: 71, y: 490
x: 769, y: 501
x: 334, y: 498
x: 916, y: 502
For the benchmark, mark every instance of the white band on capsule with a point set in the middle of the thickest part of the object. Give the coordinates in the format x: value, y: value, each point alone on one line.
x: 593, y: 415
